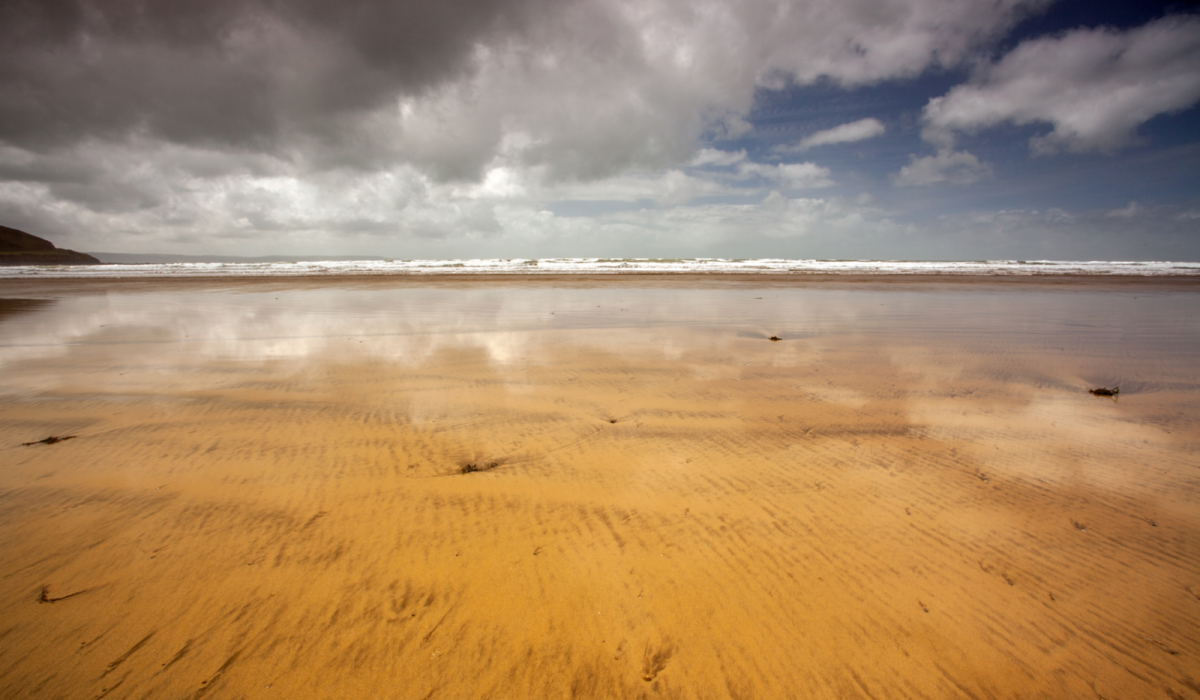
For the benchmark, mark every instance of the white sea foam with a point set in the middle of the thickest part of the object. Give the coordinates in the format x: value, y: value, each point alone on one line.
x: 560, y: 266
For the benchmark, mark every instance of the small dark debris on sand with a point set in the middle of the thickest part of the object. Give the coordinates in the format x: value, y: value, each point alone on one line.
x: 1105, y: 391
x: 774, y: 339
x: 1160, y: 645
x: 479, y: 467
x: 46, y: 598
x: 1079, y: 526
x: 50, y: 440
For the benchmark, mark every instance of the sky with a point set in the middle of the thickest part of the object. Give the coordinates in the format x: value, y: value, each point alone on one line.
x: 865, y: 129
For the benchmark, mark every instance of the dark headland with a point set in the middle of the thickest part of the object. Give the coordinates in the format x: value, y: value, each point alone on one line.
x: 20, y: 248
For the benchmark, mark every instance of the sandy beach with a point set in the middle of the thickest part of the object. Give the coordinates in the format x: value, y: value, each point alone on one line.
x: 586, y: 487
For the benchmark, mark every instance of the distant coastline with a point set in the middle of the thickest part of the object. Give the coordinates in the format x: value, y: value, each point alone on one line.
x: 18, y: 248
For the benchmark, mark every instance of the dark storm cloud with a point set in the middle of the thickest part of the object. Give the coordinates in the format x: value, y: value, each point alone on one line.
x: 604, y: 83
x: 234, y: 72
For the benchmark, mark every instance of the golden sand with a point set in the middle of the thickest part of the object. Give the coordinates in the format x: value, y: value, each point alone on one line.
x: 912, y: 495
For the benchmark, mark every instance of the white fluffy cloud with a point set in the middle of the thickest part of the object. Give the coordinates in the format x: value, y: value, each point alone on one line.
x: 949, y: 165
x: 1093, y: 86
x: 1126, y: 212
x: 796, y: 176
x: 717, y: 157
x: 860, y: 130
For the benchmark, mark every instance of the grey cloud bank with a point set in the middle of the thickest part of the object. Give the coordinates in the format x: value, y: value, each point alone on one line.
x: 422, y: 129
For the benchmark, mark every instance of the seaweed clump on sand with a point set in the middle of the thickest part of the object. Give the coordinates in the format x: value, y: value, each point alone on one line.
x: 479, y: 467
x: 50, y: 440
x: 1105, y: 391
x: 774, y: 339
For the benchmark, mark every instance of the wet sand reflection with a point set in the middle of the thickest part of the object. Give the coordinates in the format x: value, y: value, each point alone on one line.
x: 911, y: 495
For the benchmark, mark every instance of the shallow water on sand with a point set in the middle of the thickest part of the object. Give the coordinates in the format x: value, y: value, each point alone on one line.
x: 911, y: 494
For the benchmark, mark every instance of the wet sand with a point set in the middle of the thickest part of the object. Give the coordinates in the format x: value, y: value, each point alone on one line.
x: 912, y: 495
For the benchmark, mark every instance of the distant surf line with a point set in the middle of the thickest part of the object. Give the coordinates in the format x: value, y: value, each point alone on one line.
x: 615, y: 266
